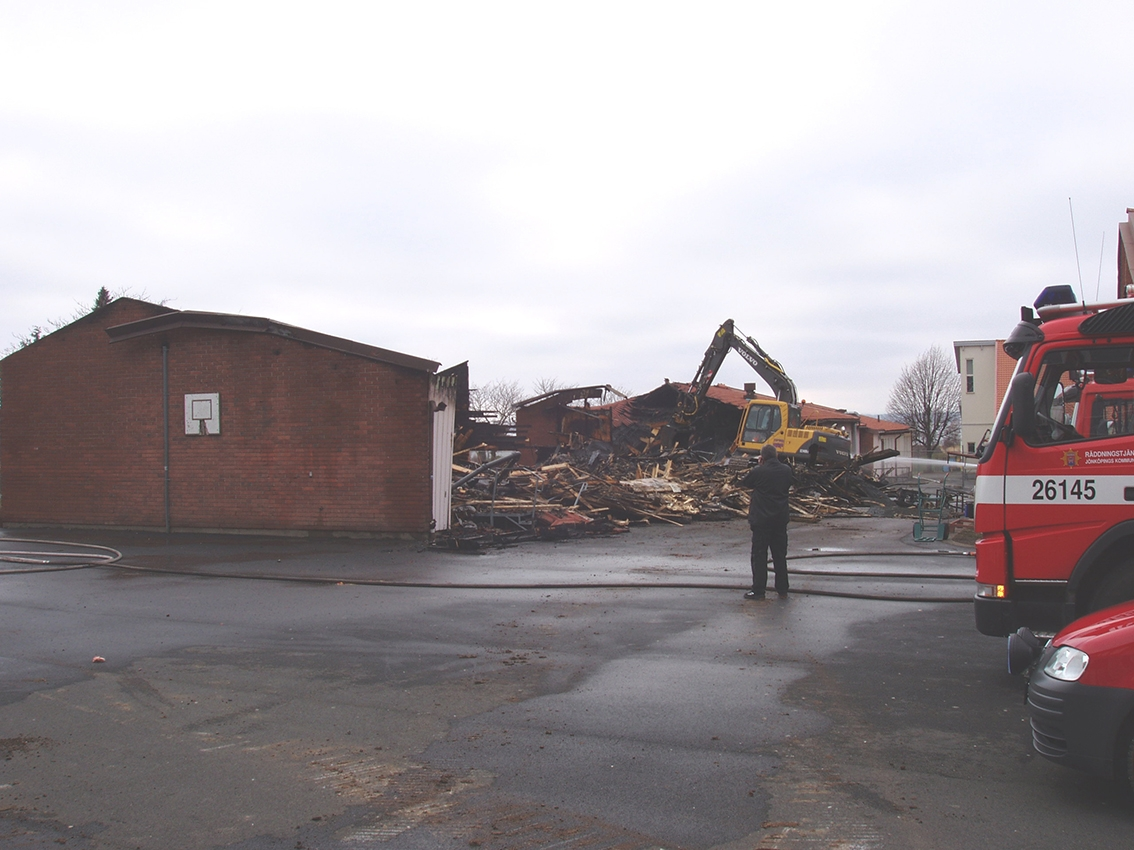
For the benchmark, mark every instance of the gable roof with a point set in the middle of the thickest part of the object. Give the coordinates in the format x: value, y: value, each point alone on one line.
x: 873, y: 423
x: 811, y: 412
x: 176, y: 319
x: 134, y: 306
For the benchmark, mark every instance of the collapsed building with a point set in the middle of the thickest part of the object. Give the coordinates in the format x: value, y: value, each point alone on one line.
x: 580, y: 460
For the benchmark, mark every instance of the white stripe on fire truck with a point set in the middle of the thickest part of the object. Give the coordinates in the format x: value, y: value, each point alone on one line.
x: 989, y: 490
x: 1055, y: 489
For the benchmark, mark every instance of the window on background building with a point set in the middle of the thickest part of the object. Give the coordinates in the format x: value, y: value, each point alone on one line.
x: 970, y: 380
x: 972, y: 448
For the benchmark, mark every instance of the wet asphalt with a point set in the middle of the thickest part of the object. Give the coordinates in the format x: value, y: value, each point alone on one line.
x: 598, y: 693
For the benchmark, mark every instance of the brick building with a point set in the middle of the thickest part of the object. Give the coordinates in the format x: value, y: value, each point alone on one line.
x: 264, y: 427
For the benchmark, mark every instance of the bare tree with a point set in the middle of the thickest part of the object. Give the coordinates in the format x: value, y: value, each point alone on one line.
x: 102, y: 298
x: 38, y: 332
x: 927, y: 398
x: 34, y: 335
x: 498, y: 400
x: 548, y: 385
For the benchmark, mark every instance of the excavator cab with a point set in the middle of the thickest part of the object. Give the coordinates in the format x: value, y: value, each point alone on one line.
x: 761, y: 421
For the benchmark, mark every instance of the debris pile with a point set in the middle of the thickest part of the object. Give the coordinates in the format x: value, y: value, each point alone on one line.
x: 846, y: 491
x: 577, y: 462
x: 593, y: 491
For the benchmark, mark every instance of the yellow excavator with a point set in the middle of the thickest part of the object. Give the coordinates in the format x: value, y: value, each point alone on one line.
x: 779, y: 422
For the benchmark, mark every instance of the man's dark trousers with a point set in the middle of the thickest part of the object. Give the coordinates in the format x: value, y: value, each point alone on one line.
x: 771, y: 536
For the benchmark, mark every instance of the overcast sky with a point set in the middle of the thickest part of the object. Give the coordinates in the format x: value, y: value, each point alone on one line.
x: 571, y: 191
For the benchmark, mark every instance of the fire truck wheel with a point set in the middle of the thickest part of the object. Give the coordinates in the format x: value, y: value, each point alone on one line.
x: 1117, y: 586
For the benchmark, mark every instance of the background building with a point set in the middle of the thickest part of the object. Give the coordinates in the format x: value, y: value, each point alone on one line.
x: 985, y: 373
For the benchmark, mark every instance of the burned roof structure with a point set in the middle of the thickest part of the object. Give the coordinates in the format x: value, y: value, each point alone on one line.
x: 556, y: 421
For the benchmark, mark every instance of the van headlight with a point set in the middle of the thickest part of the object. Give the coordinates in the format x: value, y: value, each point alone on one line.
x: 1067, y: 664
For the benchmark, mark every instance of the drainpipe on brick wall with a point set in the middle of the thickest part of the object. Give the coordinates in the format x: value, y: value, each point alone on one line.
x: 165, y: 420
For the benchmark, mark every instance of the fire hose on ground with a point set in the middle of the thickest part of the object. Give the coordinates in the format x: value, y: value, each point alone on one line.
x: 55, y: 555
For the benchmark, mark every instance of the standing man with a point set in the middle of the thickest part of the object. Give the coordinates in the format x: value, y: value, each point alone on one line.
x: 770, y: 482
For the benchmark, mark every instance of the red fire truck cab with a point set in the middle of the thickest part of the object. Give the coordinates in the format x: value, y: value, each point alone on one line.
x: 1055, y: 484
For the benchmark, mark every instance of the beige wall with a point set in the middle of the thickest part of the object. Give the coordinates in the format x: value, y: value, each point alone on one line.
x: 976, y: 362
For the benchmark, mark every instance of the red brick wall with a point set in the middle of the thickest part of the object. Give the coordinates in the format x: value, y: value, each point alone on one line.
x: 78, y: 443
x: 311, y: 439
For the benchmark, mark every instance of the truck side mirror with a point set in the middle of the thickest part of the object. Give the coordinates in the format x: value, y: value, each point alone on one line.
x: 1022, y: 393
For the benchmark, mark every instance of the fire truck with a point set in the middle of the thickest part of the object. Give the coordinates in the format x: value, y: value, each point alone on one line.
x: 1055, y: 483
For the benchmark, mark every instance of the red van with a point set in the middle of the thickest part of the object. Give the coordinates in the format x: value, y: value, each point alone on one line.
x: 1081, y: 695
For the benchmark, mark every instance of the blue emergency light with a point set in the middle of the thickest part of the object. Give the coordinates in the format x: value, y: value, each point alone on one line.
x: 1062, y: 293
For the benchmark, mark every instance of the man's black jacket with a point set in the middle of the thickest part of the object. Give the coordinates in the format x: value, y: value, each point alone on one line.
x: 770, y: 483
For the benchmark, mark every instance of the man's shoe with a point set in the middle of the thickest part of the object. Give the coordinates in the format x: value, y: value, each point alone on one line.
x: 752, y: 594
x: 782, y: 595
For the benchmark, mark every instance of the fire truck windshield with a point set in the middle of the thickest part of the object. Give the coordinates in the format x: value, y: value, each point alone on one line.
x: 1085, y: 393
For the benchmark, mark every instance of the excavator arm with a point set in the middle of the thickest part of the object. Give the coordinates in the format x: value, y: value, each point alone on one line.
x: 728, y: 339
